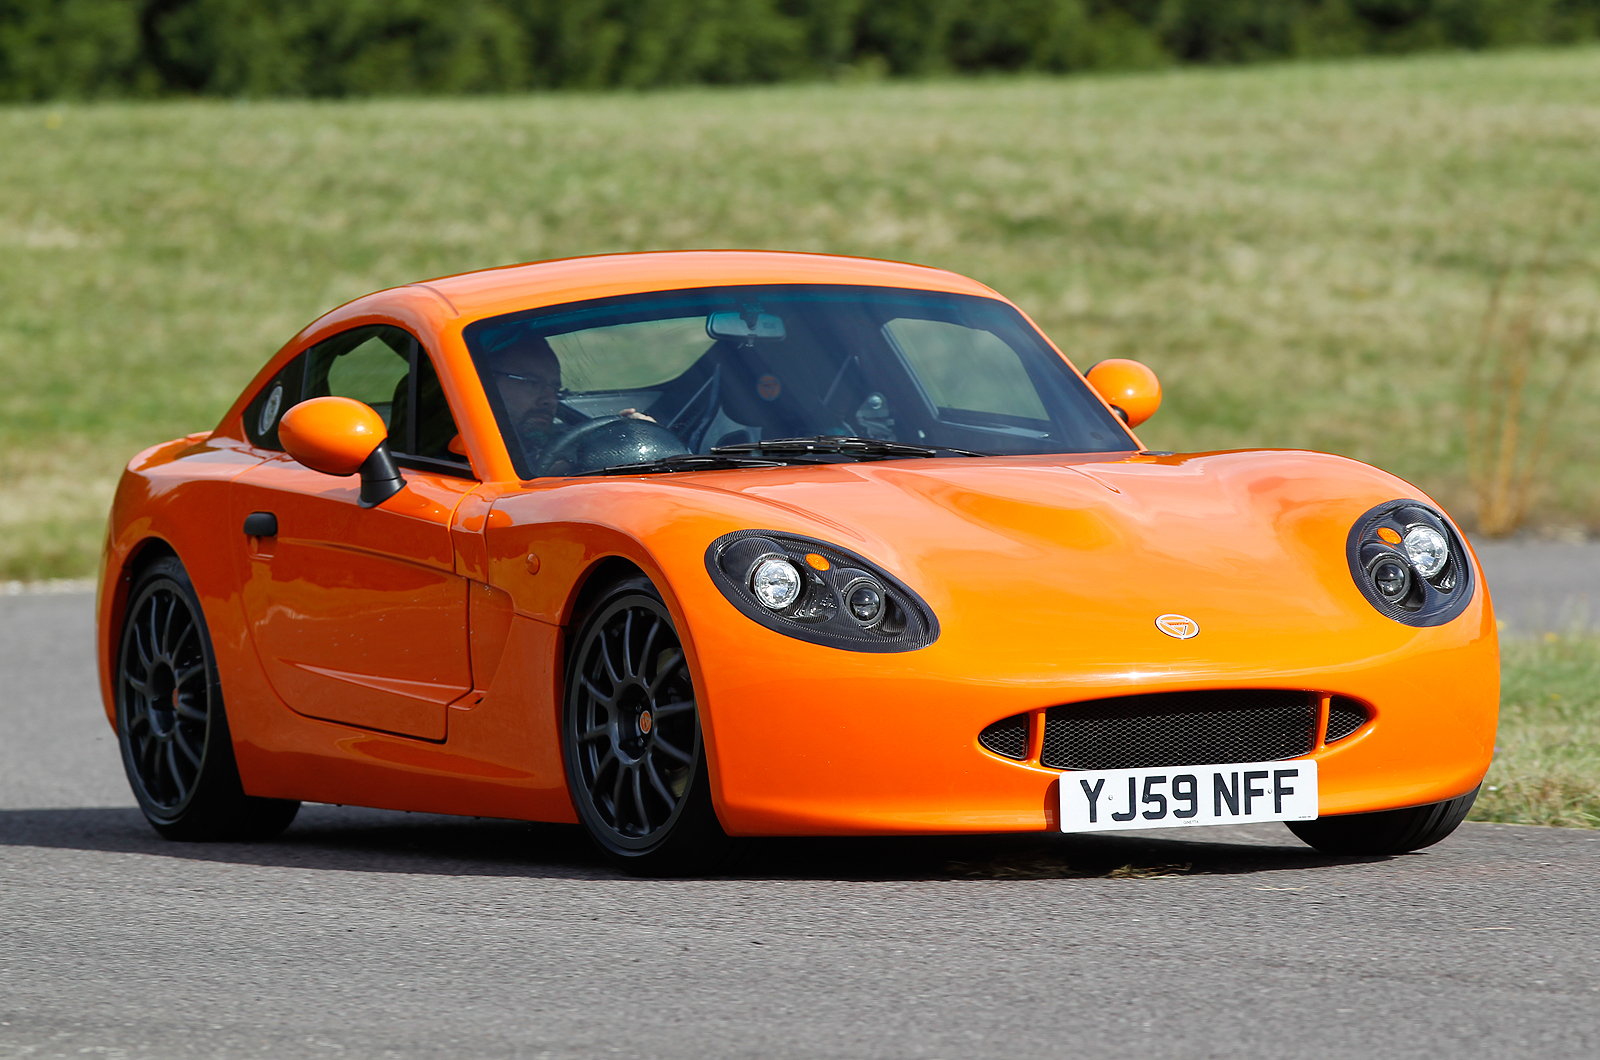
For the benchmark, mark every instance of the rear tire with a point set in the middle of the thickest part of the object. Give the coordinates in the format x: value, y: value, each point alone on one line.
x: 171, y: 725
x: 630, y: 736
x: 1386, y: 831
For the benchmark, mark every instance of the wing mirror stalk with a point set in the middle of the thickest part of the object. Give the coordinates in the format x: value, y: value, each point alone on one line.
x: 339, y: 436
x: 380, y: 477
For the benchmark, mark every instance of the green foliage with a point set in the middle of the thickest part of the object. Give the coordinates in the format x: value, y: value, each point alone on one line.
x: 73, y: 48
x: 87, y: 48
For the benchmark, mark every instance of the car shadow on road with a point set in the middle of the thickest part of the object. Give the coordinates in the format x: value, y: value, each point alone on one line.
x: 352, y: 839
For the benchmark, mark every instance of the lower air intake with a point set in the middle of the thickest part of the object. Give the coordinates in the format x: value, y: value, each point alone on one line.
x: 1008, y: 737
x: 1180, y: 729
x: 1345, y: 716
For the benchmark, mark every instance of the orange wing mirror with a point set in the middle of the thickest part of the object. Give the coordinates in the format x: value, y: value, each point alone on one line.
x: 1130, y: 388
x: 338, y: 436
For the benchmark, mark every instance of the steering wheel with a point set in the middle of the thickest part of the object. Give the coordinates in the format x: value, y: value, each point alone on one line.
x: 572, y: 414
x: 636, y: 441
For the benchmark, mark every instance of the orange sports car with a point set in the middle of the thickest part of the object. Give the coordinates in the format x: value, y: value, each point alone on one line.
x: 691, y: 546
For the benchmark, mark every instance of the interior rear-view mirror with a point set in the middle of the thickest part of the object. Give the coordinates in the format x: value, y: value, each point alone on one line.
x: 733, y: 327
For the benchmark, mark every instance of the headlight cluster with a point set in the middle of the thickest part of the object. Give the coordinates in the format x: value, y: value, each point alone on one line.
x: 1409, y: 562
x: 819, y: 592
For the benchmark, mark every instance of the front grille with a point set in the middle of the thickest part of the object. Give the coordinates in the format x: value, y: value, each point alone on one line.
x: 1345, y: 716
x: 1180, y: 729
x: 1008, y: 737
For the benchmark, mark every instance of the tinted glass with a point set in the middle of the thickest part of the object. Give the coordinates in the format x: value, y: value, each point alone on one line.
x: 371, y: 365
x: 724, y: 366
x: 261, y: 416
x: 435, y: 426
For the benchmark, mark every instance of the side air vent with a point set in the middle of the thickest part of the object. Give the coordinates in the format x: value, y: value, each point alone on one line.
x: 1008, y: 737
x: 1181, y: 729
x: 1345, y: 716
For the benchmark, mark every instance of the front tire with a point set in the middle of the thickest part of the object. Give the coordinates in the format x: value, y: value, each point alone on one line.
x: 1386, y: 831
x: 171, y: 725
x: 631, y: 739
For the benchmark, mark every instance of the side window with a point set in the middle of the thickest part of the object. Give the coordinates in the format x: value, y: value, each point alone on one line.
x: 261, y: 416
x: 967, y: 369
x: 436, y: 435
x: 371, y: 365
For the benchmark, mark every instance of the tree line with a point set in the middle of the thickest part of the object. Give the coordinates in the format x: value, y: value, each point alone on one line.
x: 52, y: 49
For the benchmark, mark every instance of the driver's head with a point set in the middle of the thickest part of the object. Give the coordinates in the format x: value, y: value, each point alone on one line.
x: 529, y: 379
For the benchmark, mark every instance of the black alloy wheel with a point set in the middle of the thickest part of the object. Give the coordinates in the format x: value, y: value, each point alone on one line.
x: 1385, y: 831
x: 631, y: 738
x: 171, y: 727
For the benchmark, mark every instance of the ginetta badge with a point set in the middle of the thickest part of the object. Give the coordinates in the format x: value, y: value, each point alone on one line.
x: 1181, y: 626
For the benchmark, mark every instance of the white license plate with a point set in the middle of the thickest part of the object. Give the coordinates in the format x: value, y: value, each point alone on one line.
x: 1100, y: 800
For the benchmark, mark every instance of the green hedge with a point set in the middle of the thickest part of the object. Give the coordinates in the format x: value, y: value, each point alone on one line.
x: 93, y: 48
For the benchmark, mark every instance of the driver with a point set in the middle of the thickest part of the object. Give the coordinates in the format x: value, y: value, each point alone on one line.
x: 528, y: 374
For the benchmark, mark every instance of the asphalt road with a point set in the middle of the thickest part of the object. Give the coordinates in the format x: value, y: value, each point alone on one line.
x: 372, y: 934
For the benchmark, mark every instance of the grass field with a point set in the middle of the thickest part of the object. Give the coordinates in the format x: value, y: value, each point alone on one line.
x: 1302, y: 252
x: 1547, y: 760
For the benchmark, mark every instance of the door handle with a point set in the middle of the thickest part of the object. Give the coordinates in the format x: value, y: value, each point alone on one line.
x: 261, y: 524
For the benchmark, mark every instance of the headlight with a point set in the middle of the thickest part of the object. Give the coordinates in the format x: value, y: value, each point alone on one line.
x: 1391, y: 576
x: 864, y: 599
x: 819, y: 592
x: 776, y: 583
x: 1427, y: 549
x: 1410, y: 563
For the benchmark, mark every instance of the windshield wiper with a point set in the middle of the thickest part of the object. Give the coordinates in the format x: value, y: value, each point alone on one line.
x: 683, y: 462
x: 850, y: 446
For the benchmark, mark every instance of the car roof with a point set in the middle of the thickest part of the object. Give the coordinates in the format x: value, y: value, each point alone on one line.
x: 489, y: 291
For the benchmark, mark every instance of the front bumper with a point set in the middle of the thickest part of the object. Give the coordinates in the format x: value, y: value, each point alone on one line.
x: 807, y: 740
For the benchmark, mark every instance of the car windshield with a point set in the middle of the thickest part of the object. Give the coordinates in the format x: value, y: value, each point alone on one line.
x: 642, y: 382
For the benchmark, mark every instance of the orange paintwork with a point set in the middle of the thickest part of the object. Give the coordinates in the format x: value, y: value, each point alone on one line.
x: 333, y: 435
x: 409, y: 655
x: 1129, y: 386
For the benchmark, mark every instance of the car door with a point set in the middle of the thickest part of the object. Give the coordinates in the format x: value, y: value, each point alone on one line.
x: 357, y: 614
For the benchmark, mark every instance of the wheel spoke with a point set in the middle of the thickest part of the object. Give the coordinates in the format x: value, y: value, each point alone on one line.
x: 667, y: 710
x: 166, y: 626
x: 185, y: 674
x: 616, y: 798
x: 599, y: 732
x: 627, y: 645
x: 638, y: 801
x: 135, y: 683
x: 148, y: 759
x: 674, y: 661
x: 672, y: 752
x: 171, y: 758
x: 155, y: 634
x: 649, y: 643
x: 594, y: 690
x: 189, y: 630
x: 183, y: 745
x: 610, y: 663
x: 661, y: 789
x: 188, y: 710
x: 599, y: 770
x: 146, y: 659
